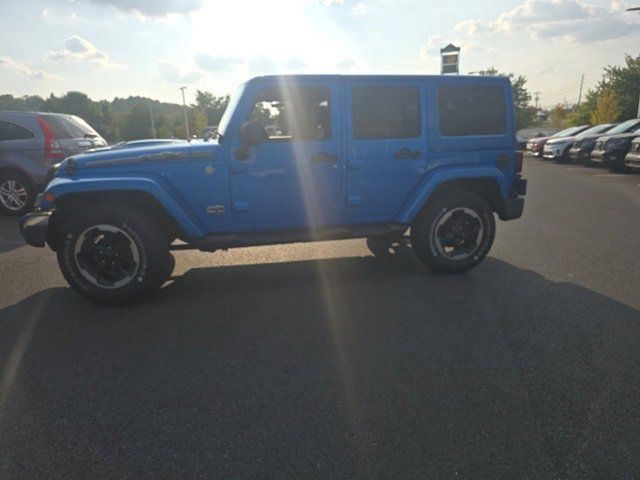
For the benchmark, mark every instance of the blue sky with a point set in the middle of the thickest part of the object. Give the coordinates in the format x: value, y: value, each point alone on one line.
x: 110, y: 48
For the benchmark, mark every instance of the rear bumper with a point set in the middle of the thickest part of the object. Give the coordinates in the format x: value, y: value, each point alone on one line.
x: 34, y: 228
x: 513, y: 207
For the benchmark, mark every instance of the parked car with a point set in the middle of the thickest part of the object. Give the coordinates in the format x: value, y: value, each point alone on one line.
x: 611, y: 149
x: 632, y: 160
x: 558, y: 148
x: 30, y: 142
x: 535, y: 146
x: 355, y: 157
x: 149, y: 142
x: 586, y: 142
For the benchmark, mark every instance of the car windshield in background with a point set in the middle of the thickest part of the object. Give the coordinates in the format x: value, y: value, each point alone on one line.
x: 562, y: 132
x: 569, y: 132
x: 596, y: 129
x: 623, y: 127
x: 69, y: 126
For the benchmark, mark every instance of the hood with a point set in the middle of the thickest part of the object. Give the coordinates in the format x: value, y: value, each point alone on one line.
x: 557, y: 141
x: 621, y: 136
x: 140, y: 155
x: 539, y: 140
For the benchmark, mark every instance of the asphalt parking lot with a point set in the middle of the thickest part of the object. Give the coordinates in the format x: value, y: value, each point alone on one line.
x: 320, y: 361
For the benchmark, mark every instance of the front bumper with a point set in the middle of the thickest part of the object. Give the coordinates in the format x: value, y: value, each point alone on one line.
x: 34, y: 228
x: 551, y: 153
x: 579, y: 155
x: 608, y: 158
x: 632, y: 160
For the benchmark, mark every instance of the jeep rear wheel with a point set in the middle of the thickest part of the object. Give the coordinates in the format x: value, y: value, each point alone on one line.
x: 454, y: 233
x: 113, y: 258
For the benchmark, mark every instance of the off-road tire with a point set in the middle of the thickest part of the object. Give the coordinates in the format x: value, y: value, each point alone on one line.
x: 423, y: 231
x: 144, y: 234
x: 26, y: 186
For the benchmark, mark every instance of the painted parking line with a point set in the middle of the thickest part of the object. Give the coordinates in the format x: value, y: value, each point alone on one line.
x: 609, y: 175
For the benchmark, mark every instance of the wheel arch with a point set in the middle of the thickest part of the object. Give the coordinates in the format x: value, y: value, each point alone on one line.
x: 143, y: 201
x: 488, y: 183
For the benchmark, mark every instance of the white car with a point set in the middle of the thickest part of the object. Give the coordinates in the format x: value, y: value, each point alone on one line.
x: 557, y: 148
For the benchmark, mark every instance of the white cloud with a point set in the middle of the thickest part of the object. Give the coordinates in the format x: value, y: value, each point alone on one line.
x: 44, y: 13
x: 217, y: 63
x: 568, y: 19
x: 346, y: 64
x: 359, y: 9
x: 151, y: 8
x: 8, y: 62
x: 80, y: 50
x: 432, y: 47
x: 263, y: 65
x: 331, y: 2
x: 174, y: 74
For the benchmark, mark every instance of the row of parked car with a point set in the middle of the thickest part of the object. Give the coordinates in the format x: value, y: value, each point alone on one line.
x: 30, y: 142
x: 613, y: 145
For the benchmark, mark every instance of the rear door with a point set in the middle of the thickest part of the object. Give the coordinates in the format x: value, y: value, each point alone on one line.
x: 386, y: 145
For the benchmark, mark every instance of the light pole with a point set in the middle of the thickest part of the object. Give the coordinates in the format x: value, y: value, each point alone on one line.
x: 184, y: 110
x: 153, y: 123
x: 636, y: 9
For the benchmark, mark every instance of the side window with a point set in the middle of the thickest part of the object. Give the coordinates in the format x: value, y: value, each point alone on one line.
x: 471, y: 110
x: 385, y: 112
x: 294, y: 112
x: 11, y: 131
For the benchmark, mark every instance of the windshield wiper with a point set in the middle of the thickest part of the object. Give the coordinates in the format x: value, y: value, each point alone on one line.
x: 90, y: 135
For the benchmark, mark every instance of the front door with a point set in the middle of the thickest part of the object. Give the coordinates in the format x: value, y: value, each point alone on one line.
x: 386, y: 145
x: 294, y: 178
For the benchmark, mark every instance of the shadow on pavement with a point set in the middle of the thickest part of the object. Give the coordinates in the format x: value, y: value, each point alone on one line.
x: 10, y: 237
x: 344, y: 368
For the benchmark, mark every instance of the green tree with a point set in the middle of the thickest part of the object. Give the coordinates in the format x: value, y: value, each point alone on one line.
x: 559, y: 115
x: 607, y: 109
x: 135, y: 124
x: 624, y: 83
x: 583, y: 112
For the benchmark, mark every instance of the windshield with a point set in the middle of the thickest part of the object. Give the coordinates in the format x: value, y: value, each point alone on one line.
x: 596, y: 129
x: 624, y: 126
x: 569, y: 132
x: 233, y: 103
x: 561, y: 133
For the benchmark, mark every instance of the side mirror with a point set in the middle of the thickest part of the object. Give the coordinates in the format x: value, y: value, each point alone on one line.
x: 252, y: 133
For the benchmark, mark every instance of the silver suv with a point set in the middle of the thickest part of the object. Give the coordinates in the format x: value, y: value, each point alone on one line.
x: 30, y: 142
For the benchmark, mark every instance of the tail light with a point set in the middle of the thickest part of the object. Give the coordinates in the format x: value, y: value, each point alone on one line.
x: 52, y: 146
x: 519, y: 160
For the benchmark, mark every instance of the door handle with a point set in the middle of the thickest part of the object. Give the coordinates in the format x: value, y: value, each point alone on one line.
x: 407, y: 153
x: 324, y: 157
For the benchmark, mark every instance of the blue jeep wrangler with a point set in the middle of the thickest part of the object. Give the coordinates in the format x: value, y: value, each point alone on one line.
x: 297, y: 158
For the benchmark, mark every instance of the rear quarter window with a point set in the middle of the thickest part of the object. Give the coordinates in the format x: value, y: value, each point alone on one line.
x: 471, y: 110
x: 12, y: 131
x: 65, y: 127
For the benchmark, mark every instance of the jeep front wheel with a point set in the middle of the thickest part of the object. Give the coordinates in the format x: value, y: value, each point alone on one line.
x: 113, y: 258
x: 454, y: 233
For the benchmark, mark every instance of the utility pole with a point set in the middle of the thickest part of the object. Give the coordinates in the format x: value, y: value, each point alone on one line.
x: 153, y: 123
x: 536, y: 97
x: 581, y: 85
x: 184, y: 110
